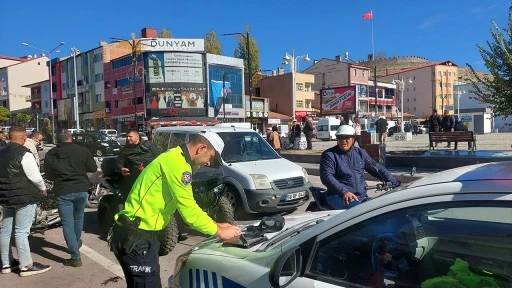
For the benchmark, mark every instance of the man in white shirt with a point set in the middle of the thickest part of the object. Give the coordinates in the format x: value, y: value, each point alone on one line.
x: 33, y: 143
x: 21, y: 187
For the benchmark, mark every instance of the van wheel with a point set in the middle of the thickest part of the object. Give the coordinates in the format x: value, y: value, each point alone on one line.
x: 234, y: 200
x: 168, y: 237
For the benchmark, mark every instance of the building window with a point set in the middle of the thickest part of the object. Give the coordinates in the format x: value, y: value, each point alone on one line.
x: 439, y: 73
x: 364, y: 73
x: 98, y: 57
x: 308, y: 104
x: 122, y: 82
x: 116, y: 104
x: 98, y: 77
x: 308, y: 87
x: 122, y: 62
x: 299, y: 104
x: 86, y: 79
x: 99, y: 98
x: 300, y: 86
x: 85, y: 61
x: 355, y: 72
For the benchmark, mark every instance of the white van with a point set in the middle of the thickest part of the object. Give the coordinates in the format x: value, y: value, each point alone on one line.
x: 258, y: 179
x: 326, y: 128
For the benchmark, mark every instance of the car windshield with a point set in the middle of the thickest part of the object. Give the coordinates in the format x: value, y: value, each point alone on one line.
x: 101, y: 137
x: 245, y: 146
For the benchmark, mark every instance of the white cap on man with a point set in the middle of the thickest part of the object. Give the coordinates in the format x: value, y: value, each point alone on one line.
x: 218, y: 145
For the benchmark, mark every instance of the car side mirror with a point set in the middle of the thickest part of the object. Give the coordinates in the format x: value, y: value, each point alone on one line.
x: 286, y: 268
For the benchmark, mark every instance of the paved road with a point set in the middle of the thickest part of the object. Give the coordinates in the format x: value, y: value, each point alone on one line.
x: 100, y: 268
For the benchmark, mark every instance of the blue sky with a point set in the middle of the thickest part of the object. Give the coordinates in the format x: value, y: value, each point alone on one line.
x: 437, y: 30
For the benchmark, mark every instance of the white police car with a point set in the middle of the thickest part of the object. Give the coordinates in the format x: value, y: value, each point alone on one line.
x: 452, y: 225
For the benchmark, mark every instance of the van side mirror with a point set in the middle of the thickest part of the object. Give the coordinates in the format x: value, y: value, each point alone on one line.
x: 286, y: 268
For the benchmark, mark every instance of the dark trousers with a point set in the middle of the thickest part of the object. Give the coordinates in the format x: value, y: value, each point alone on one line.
x: 469, y: 146
x: 309, y: 137
x: 140, y: 265
x: 358, y: 140
x: 71, y: 210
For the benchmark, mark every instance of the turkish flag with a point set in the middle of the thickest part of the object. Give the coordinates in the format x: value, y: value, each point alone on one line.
x: 368, y: 15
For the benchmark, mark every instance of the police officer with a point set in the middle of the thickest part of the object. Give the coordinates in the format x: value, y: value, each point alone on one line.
x: 163, y: 187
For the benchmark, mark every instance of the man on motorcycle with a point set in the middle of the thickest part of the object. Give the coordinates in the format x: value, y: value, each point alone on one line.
x: 133, y: 157
x: 342, y: 170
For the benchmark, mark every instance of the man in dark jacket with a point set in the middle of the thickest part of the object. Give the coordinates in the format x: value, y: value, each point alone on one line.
x: 294, y: 132
x: 461, y: 127
x: 133, y: 157
x: 342, y: 170
x: 381, y: 127
x: 448, y: 124
x: 434, y: 122
x: 308, y: 131
x: 67, y: 165
x: 21, y: 187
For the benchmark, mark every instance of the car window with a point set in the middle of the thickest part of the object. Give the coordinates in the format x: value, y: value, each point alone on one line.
x: 323, y: 128
x: 245, y: 146
x: 177, y: 139
x: 79, y: 138
x: 334, y: 127
x: 161, y: 139
x: 88, y: 139
x: 420, y: 247
x: 100, y: 137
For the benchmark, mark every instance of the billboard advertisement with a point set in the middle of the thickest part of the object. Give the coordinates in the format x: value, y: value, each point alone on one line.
x: 64, y: 109
x: 226, y: 85
x: 176, y: 84
x: 335, y: 101
x: 177, y: 101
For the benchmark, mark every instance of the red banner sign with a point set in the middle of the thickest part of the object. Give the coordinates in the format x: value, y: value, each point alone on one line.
x: 338, y: 100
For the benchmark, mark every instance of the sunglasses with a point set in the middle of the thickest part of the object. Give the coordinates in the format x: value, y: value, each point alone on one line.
x: 343, y: 137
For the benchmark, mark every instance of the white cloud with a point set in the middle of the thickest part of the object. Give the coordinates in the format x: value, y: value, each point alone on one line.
x: 433, y: 20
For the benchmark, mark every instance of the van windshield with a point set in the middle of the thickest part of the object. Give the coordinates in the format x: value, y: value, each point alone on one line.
x: 245, y: 146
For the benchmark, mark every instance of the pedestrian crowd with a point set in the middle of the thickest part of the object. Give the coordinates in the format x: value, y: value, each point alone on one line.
x: 163, y: 180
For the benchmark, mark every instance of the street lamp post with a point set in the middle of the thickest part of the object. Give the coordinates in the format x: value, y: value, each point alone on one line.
x: 401, y: 86
x: 133, y: 45
x: 294, y: 62
x: 51, y: 81
x: 248, y: 59
x: 75, y: 107
x: 459, y: 92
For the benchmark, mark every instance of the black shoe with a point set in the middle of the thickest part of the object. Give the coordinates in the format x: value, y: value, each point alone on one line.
x: 15, y: 265
x: 73, y: 262
x: 37, y: 268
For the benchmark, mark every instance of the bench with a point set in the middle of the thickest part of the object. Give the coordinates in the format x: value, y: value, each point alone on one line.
x: 377, y: 152
x: 457, y: 136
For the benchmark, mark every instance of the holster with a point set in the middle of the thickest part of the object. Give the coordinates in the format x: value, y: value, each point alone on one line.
x: 125, y: 236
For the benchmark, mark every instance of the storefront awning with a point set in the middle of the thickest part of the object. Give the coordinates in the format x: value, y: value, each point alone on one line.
x: 182, y: 122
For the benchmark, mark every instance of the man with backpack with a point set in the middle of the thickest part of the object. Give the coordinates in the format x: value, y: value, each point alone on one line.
x: 133, y: 157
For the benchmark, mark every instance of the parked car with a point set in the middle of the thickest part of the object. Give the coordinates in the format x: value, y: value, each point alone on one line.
x: 121, y: 139
x: 98, y: 143
x: 73, y: 131
x: 109, y: 132
x: 258, y: 179
x: 456, y: 222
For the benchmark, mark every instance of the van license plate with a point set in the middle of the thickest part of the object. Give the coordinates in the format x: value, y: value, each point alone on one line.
x: 294, y: 196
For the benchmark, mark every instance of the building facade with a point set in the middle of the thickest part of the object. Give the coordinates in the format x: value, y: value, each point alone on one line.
x: 431, y: 87
x: 15, y: 75
x: 279, y: 90
x: 369, y: 101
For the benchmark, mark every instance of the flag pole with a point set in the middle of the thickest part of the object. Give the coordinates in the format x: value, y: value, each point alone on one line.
x: 373, y: 43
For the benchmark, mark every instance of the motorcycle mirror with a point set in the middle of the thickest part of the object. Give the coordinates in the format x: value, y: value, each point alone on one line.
x: 413, y: 171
